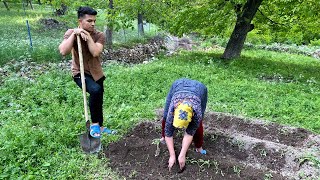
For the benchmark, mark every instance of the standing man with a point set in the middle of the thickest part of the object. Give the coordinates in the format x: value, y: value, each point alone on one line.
x: 92, y: 42
x: 184, y: 109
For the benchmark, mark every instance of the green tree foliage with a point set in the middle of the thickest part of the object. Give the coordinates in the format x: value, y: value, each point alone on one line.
x: 288, y: 21
x: 293, y: 21
x: 7, y: 2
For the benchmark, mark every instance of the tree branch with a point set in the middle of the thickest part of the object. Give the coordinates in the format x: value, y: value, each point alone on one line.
x: 272, y: 21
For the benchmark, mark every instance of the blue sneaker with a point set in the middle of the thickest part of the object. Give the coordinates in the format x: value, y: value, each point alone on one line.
x: 108, y: 131
x: 202, y: 151
x: 95, y: 131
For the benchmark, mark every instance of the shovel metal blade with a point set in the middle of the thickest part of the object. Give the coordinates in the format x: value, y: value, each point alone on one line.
x: 90, y: 144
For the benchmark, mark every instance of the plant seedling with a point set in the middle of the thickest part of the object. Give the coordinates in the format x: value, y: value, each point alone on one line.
x: 156, y: 142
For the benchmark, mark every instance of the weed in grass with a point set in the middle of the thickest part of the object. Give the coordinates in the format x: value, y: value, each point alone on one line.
x: 262, y: 152
x: 283, y: 153
x: 133, y: 174
x: 237, y: 170
x: 191, y: 160
x: 311, y: 143
x: 203, y: 163
x: 222, y: 174
x: 284, y: 131
x: 216, y: 166
x: 302, y: 175
x: 157, y: 143
x: 213, y: 137
x: 180, y: 132
x: 311, y: 159
x: 268, y: 176
x: 239, y: 143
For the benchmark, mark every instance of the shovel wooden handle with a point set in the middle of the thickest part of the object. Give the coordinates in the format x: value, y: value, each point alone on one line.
x: 83, y: 82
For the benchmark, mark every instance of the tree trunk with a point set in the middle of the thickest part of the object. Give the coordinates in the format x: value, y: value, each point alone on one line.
x: 62, y: 11
x: 30, y: 4
x: 6, y: 5
x: 39, y: 2
x: 241, y: 29
x: 109, y: 30
x: 140, y: 25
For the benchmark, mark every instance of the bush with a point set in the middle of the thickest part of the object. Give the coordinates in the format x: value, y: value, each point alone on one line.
x: 315, y: 42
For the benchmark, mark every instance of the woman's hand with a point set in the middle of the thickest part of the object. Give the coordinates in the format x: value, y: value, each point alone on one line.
x: 182, y: 161
x: 171, y: 162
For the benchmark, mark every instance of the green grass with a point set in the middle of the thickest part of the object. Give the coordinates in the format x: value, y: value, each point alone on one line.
x: 15, y: 43
x: 41, y: 120
x: 39, y: 131
x: 14, y: 40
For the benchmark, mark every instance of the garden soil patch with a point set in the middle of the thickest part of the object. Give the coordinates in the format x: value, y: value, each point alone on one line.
x: 237, y: 148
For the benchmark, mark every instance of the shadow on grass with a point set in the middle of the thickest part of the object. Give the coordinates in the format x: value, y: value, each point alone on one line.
x: 289, y: 67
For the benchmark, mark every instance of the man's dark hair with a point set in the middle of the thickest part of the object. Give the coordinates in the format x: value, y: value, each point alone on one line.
x: 86, y: 10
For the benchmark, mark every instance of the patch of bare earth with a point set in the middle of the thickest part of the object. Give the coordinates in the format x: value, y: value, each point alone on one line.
x: 237, y: 148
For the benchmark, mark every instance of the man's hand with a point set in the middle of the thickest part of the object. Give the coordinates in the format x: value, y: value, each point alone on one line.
x: 94, y: 48
x: 83, y: 33
x: 171, y: 162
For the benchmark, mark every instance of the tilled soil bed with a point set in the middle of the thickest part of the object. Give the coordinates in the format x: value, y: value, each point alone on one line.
x: 237, y: 148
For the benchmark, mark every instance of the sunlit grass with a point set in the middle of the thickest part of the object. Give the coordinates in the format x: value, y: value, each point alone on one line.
x: 41, y: 120
x: 15, y: 43
x: 14, y: 40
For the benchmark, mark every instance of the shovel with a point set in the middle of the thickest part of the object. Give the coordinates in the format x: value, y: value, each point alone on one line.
x: 88, y: 143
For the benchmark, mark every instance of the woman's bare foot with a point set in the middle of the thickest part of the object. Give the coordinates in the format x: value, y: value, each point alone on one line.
x: 162, y: 140
x: 201, y: 150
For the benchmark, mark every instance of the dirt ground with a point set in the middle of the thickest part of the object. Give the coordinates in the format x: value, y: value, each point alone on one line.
x: 237, y: 148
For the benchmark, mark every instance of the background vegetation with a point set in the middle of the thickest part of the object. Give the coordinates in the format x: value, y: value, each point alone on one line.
x: 42, y: 118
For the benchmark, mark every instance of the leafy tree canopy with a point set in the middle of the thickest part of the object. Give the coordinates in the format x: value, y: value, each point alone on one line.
x: 284, y: 20
x: 293, y: 21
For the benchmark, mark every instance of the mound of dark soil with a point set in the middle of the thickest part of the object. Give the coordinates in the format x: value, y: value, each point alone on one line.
x: 50, y: 23
x: 142, y: 53
x: 237, y: 149
x: 137, y: 54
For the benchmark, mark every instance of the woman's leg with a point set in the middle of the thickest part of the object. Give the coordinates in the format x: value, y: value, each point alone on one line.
x: 198, y: 136
x: 162, y: 127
